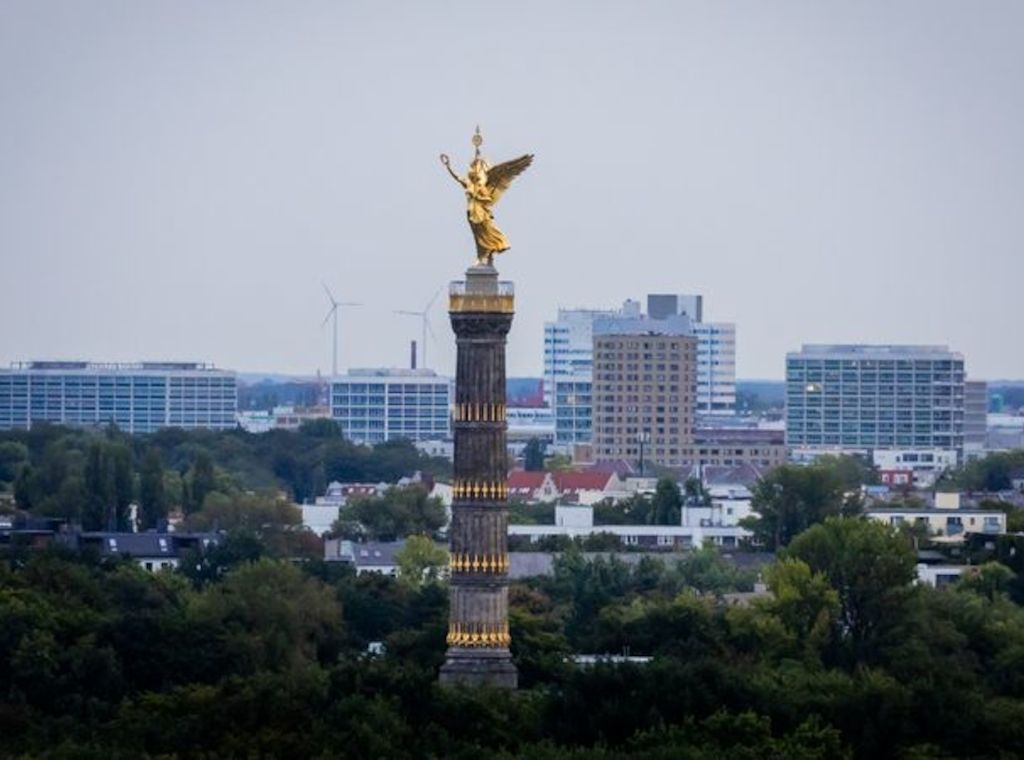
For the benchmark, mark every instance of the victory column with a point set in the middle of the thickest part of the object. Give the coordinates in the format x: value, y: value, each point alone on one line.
x: 481, y: 310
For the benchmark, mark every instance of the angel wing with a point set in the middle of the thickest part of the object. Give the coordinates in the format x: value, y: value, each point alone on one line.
x: 500, y: 177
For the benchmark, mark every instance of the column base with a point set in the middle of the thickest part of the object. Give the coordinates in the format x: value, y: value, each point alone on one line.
x: 469, y: 666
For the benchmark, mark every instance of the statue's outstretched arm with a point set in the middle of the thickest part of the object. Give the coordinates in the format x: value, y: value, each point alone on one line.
x: 448, y: 166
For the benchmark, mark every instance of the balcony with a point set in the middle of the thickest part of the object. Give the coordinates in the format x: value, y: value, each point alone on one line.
x: 484, y: 296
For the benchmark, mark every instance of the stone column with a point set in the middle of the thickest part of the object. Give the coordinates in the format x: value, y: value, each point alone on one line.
x: 481, y: 310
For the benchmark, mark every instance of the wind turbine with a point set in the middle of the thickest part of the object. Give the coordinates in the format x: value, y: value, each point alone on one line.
x: 333, y: 312
x: 425, y: 316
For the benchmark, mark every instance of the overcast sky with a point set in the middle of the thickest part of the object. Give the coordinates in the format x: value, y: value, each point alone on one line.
x: 177, y: 177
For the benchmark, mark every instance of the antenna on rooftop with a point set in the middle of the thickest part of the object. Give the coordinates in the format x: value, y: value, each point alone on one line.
x: 333, y: 313
x: 425, y: 316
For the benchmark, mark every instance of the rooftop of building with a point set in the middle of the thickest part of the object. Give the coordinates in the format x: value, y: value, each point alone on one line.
x: 765, y: 437
x: 372, y: 554
x: 47, y: 365
x: 744, y: 474
x: 676, y: 325
x: 868, y: 351
x: 402, y: 372
x: 567, y: 480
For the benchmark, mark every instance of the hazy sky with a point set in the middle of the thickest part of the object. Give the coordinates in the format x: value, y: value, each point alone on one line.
x: 177, y: 177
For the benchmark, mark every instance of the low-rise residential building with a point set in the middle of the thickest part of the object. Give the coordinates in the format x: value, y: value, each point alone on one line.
x: 661, y: 537
x: 319, y: 517
x: 338, y: 494
x: 437, y: 448
x: 370, y: 557
x: 152, y: 551
x: 938, y: 576
x: 726, y: 506
x: 924, y: 465
x: 583, y: 487
x: 578, y: 522
x: 940, y: 522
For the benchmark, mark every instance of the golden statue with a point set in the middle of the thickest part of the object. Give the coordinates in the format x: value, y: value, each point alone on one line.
x: 484, y: 185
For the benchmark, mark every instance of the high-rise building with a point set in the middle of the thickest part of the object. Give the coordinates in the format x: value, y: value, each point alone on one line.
x: 661, y: 305
x: 861, y: 398
x: 569, y: 346
x: 975, y: 415
x: 138, y: 398
x: 377, y: 405
x: 644, y: 381
x: 716, y: 369
x: 573, y: 408
x: 568, y: 349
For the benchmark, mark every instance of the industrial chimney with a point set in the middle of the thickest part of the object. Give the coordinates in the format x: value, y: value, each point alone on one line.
x: 412, y: 355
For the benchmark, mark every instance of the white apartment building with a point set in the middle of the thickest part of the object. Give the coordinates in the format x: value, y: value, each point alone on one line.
x: 859, y: 398
x: 138, y: 397
x: 377, y: 405
x: 716, y: 368
x: 569, y: 346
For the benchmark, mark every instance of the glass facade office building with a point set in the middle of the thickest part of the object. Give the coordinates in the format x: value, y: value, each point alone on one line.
x: 138, y: 398
x: 377, y: 405
x: 874, y: 397
x: 574, y: 410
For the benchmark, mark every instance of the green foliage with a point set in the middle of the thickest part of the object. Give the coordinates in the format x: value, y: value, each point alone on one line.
x: 13, y: 456
x: 52, y: 479
x: 396, y: 513
x: 271, y: 617
x: 791, y: 498
x: 558, y: 462
x: 667, y: 503
x: 805, y: 603
x: 990, y: 473
x: 244, y: 511
x: 420, y: 561
x: 152, y: 492
x: 635, y: 510
x: 525, y: 513
x: 870, y: 566
x: 108, y: 486
x: 533, y: 456
x: 257, y: 657
x: 853, y: 471
x: 1014, y: 514
x: 202, y: 482
x: 991, y: 580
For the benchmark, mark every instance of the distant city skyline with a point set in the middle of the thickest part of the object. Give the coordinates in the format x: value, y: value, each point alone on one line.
x: 180, y: 177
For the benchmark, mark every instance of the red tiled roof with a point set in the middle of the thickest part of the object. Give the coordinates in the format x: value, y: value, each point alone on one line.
x: 587, y: 480
x: 521, y: 480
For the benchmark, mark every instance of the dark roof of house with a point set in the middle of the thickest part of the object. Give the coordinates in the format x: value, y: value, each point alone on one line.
x: 620, y: 467
x: 376, y: 553
x: 145, y: 544
x: 588, y: 480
